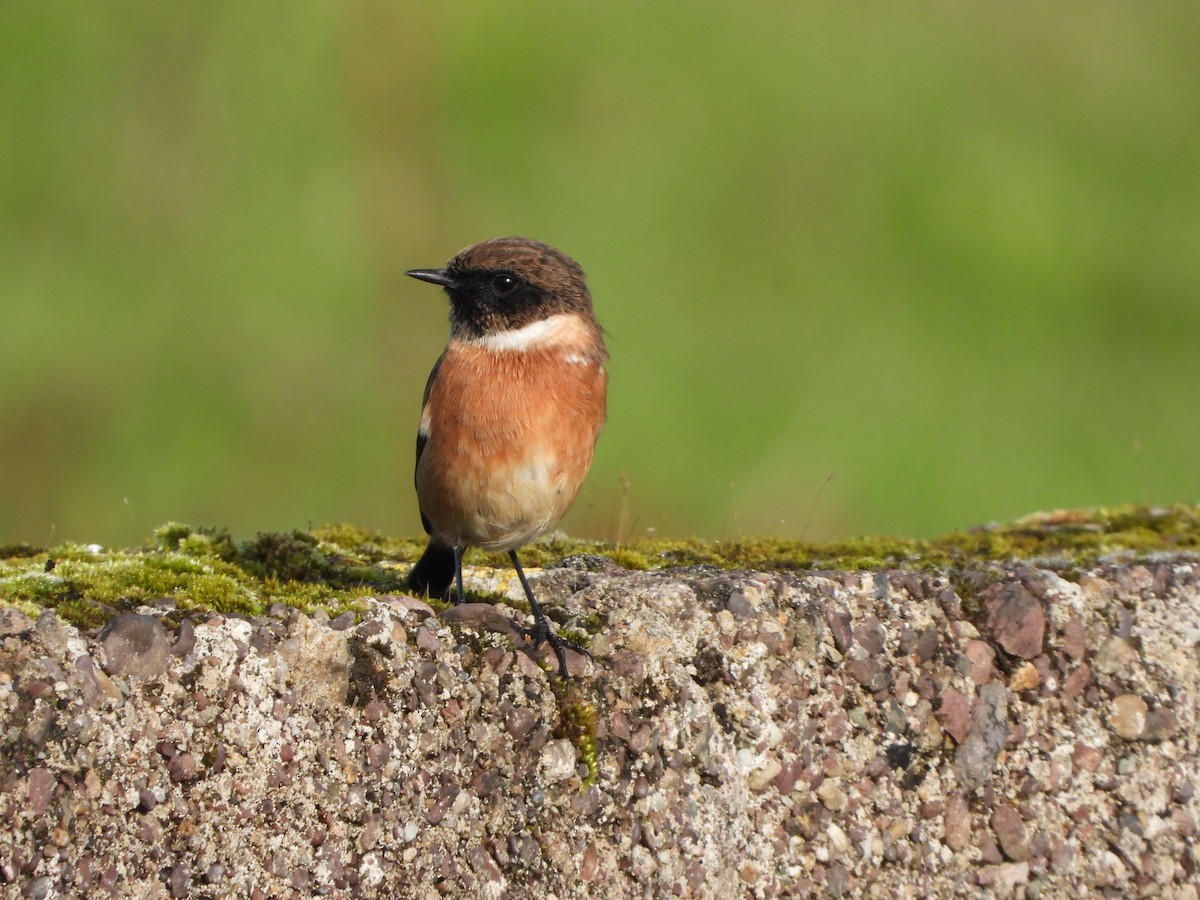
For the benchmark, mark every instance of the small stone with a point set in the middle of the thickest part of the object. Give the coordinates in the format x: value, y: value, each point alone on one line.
x: 41, y: 789
x: 97, y: 688
x: 1076, y: 683
x: 989, y: 851
x: 409, y: 604
x: 760, y: 778
x: 1016, y: 621
x: 977, y: 756
x: 479, y: 617
x: 881, y: 585
x: 51, y: 632
x: 869, y: 674
x: 182, y: 767
x: 428, y: 640
x: 149, y: 830
x: 950, y: 603
x: 1110, y: 870
x: 484, y: 866
x: 589, y: 801
x: 871, y: 636
x: 558, y: 761
x: 590, y: 863
x: 980, y: 657
x: 832, y: 796
x: 632, y: 666
x: 1115, y: 657
x: 639, y: 742
x: 727, y: 623
x: 839, y: 843
x: 957, y: 823
x: 146, y: 799
x: 931, y: 809
x: 1062, y: 856
x: 741, y: 606
x: 445, y: 799
x: 774, y: 638
x: 1009, y: 875
x: 1010, y: 832
x: 374, y: 711
x: 135, y: 646
x: 1127, y: 716
x: 927, y: 644
x: 839, y: 628
x: 1086, y: 757
x: 92, y: 785
x: 785, y: 780
x: 837, y: 880
x: 811, y: 819
x: 178, y: 880
x: 1025, y: 678
x: 749, y: 873
x: 378, y: 755
x: 520, y: 722
x: 1161, y: 725
x: 1074, y: 639
x: 318, y: 659
x: 185, y: 639
x: 1125, y: 621
x: 954, y: 714
x: 13, y: 621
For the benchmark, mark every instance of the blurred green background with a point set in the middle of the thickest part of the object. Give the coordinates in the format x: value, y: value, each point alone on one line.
x: 865, y: 267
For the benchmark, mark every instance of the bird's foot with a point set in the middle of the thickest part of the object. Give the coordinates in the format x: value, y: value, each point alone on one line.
x: 541, y: 633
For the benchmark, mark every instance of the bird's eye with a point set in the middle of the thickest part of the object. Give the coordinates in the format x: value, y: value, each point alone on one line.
x: 504, y: 284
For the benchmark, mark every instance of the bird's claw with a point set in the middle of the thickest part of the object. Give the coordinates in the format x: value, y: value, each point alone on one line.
x: 541, y: 633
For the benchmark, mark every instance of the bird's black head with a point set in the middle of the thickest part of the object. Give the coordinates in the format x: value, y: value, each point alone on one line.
x: 507, y: 283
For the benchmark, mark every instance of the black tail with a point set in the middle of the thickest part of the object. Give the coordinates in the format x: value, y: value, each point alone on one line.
x: 434, y: 572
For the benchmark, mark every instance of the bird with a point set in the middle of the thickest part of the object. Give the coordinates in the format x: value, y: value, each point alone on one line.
x: 511, y: 412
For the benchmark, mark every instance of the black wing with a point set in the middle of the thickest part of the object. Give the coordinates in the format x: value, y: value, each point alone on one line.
x: 423, y: 439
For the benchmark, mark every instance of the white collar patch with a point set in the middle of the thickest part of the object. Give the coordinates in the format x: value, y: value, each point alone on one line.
x: 557, y: 329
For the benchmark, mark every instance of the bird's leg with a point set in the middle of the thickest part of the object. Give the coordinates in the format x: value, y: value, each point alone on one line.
x: 541, y: 631
x: 458, y: 554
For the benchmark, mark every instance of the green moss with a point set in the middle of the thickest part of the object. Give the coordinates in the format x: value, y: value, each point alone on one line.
x: 577, y: 723
x: 331, y: 568
x: 85, y: 587
x: 170, y: 535
x: 1075, y: 538
x: 368, y: 546
x: 203, y: 569
x: 574, y: 636
x: 83, y: 613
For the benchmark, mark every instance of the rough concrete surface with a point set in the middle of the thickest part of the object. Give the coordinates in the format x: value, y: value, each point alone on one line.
x: 879, y: 734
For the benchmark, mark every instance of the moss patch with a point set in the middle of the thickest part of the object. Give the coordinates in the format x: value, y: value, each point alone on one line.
x: 330, y: 568
x: 196, y: 569
x: 577, y: 723
x: 1062, y: 539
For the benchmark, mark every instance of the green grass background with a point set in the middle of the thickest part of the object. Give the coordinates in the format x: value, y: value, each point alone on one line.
x: 865, y: 267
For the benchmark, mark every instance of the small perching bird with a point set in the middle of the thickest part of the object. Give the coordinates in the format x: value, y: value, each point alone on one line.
x: 512, y: 410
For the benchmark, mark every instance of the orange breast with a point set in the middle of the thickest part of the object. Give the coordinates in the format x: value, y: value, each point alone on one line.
x: 510, y: 439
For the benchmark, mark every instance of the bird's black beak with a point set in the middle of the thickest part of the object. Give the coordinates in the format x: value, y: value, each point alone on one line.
x: 433, y: 276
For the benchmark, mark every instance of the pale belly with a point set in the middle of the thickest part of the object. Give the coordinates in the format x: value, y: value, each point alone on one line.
x: 499, y: 507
